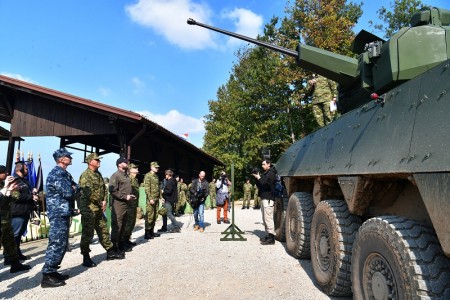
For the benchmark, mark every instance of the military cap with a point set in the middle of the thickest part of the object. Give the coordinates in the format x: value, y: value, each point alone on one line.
x: 121, y: 160
x: 154, y: 164
x: 2, y: 169
x: 132, y: 166
x: 92, y: 156
x: 61, y: 152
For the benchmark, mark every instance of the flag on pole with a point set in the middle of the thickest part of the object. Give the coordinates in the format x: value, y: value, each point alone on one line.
x: 31, y: 172
x: 39, y: 183
x: 184, y: 136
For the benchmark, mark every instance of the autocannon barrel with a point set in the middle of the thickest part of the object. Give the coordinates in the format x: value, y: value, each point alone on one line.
x: 336, y: 67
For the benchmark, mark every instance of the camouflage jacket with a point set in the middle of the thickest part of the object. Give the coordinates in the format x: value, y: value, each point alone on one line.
x: 151, y: 186
x: 248, y: 187
x: 60, y: 194
x: 5, y: 210
x: 93, y: 190
x: 135, y: 186
x: 183, y: 191
x: 212, y: 188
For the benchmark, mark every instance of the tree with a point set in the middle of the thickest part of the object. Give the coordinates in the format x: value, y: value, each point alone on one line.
x: 266, y: 102
x: 397, y: 17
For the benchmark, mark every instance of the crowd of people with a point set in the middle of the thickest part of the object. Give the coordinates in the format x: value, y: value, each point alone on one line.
x: 66, y: 198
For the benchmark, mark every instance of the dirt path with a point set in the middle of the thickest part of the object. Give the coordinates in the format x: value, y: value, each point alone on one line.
x: 186, y: 265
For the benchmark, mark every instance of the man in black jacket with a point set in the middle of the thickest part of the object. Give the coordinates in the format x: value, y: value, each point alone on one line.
x: 265, y: 184
x: 24, y: 202
x: 170, y: 195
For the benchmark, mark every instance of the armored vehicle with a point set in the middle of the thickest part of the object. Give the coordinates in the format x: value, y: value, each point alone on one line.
x: 368, y: 196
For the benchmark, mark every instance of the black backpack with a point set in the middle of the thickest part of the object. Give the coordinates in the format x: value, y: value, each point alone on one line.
x: 277, y: 188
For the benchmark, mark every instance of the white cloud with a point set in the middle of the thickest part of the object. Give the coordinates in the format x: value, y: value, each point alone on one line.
x: 105, y: 92
x: 138, y: 85
x: 168, y: 18
x: 19, y: 77
x: 176, y: 122
x: 247, y: 23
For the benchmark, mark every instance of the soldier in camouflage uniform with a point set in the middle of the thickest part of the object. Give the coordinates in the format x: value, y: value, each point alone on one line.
x: 153, y: 194
x: 247, y: 194
x: 256, y: 198
x: 181, y: 188
x: 62, y: 191
x: 92, y: 207
x: 132, y: 205
x: 212, y: 193
x: 323, y: 91
x: 6, y: 232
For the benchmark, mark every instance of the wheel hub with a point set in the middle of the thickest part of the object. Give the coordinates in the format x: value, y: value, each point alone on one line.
x: 293, y: 228
x: 380, y: 283
x: 323, y: 246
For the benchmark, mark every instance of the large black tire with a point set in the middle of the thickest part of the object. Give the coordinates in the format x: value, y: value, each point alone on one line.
x: 333, y: 231
x: 398, y: 258
x: 298, y: 224
x: 279, y: 218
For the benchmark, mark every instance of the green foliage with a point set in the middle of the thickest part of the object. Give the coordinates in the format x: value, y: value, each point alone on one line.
x: 264, y: 104
x: 397, y: 17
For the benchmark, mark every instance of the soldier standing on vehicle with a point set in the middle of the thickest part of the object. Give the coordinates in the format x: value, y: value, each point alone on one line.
x: 92, y: 207
x: 247, y: 194
x: 133, y: 171
x: 153, y: 194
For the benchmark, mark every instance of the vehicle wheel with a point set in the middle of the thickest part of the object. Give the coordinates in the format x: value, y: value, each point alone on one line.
x: 298, y: 224
x: 333, y: 232
x: 279, y: 216
x: 397, y: 258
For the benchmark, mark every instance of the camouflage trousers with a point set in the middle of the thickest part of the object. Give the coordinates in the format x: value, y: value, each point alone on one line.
x: 246, y: 201
x: 90, y: 221
x: 7, y: 241
x: 256, y: 200
x: 152, y: 214
x: 180, y: 205
x: 131, y: 219
x: 212, y: 201
x: 58, y: 238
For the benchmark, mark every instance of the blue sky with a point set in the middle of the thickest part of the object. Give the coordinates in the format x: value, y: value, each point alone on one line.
x: 139, y: 55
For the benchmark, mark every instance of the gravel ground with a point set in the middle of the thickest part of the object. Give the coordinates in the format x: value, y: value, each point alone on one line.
x: 186, y: 265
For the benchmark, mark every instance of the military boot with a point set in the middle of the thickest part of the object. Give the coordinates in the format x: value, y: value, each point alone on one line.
x: 155, y: 234
x: 59, y: 276
x: 87, y: 261
x: 148, y: 234
x: 269, y: 241
x: 50, y: 281
x: 17, y: 266
x: 113, y: 254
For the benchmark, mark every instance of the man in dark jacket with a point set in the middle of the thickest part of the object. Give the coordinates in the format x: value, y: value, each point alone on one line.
x: 170, y: 195
x: 265, y: 184
x: 22, y: 206
x: 199, y: 190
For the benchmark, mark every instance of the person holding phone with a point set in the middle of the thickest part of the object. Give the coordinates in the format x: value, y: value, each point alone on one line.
x: 121, y: 192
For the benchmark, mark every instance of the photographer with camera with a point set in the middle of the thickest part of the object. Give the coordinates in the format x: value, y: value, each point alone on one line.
x: 62, y: 191
x: 265, y: 183
x: 199, y: 190
x: 8, y: 186
x: 24, y: 202
x: 223, y: 196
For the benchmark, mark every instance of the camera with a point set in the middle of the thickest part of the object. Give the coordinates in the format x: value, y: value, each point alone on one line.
x: 255, y: 171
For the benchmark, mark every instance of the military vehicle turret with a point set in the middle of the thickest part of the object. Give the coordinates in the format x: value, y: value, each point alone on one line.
x: 369, y: 194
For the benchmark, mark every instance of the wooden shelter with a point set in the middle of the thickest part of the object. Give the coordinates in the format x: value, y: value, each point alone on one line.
x: 34, y: 111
